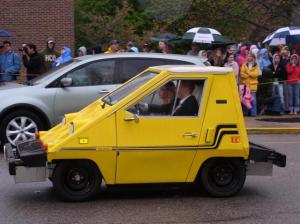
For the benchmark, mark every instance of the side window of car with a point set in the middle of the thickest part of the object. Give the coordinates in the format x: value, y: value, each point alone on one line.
x: 79, y: 77
x: 101, y: 72
x: 180, y: 97
x: 96, y: 73
x: 132, y: 66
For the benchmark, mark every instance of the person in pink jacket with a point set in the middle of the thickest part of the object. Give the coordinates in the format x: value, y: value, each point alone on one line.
x: 293, y: 76
x: 246, y: 96
x: 242, y: 58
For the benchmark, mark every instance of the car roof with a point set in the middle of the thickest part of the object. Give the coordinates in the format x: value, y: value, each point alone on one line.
x: 193, y: 69
x: 192, y: 59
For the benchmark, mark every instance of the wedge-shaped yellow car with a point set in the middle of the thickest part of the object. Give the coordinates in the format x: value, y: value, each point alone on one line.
x: 169, y: 124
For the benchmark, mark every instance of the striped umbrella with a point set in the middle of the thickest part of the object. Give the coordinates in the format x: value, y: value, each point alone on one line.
x: 282, y: 36
x: 206, y: 35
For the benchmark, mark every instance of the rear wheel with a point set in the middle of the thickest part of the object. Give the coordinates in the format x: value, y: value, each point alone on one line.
x: 76, y: 180
x: 223, y: 177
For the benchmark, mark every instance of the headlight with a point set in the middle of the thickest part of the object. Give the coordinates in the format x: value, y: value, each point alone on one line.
x: 71, y: 128
x: 63, y: 121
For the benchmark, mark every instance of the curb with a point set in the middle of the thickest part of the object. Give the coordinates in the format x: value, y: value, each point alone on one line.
x: 265, y: 130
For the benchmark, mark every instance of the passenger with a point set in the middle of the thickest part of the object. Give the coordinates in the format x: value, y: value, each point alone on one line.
x: 188, y: 105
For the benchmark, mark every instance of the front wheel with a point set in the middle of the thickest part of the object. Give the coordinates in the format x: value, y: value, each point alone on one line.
x: 223, y: 177
x: 76, y: 180
x: 19, y: 126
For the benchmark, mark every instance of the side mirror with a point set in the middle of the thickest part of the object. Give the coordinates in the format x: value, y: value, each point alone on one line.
x: 66, y: 82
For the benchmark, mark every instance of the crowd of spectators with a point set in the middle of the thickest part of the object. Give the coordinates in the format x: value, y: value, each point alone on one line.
x: 267, y: 79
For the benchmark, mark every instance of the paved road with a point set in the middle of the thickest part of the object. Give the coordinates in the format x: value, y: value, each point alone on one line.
x: 263, y: 199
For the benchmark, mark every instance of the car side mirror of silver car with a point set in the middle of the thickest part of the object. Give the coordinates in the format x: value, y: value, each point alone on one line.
x: 66, y: 82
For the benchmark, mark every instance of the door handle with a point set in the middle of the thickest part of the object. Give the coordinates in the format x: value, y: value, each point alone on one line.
x: 103, y: 91
x: 190, y: 134
x: 134, y: 118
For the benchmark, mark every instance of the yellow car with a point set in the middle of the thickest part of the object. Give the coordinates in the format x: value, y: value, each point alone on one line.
x: 169, y: 124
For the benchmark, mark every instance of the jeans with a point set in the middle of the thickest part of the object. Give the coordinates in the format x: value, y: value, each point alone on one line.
x: 286, y: 96
x: 277, y: 91
x: 253, y: 110
x: 7, y: 77
x: 293, y: 97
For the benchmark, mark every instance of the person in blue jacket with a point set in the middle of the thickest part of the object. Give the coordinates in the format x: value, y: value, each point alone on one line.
x: 10, y: 63
x: 65, y: 56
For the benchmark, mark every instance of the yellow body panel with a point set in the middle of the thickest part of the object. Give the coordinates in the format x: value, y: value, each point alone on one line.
x: 154, y: 149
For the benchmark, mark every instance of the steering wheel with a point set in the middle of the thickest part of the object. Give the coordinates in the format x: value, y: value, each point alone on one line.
x: 137, y: 109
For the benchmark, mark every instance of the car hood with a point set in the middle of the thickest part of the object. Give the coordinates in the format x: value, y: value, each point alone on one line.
x: 10, y: 85
x: 81, y: 120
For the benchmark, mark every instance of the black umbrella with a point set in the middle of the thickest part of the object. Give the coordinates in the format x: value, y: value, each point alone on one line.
x: 165, y: 37
x: 4, y: 33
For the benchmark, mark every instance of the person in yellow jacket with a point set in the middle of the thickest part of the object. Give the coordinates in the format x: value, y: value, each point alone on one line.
x: 113, y: 47
x: 249, y: 76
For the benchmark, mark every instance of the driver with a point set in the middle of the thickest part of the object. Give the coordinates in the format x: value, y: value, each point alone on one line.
x: 167, y: 96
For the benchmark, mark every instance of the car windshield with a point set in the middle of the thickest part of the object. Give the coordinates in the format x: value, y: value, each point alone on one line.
x: 128, y: 88
x: 44, y: 77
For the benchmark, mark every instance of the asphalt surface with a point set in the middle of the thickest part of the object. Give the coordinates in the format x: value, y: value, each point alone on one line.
x: 273, y: 199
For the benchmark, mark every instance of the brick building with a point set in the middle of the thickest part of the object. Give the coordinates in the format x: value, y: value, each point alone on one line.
x: 33, y: 21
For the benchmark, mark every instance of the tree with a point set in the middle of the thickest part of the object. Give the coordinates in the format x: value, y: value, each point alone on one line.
x: 99, y: 21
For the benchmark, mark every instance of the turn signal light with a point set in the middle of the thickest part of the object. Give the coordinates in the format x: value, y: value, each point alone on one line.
x: 37, y: 135
x: 235, y: 139
x: 45, y: 147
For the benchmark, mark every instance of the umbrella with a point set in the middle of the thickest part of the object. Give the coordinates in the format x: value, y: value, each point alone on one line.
x: 282, y: 36
x: 4, y: 33
x: 207, y: 36
x: 165, y: 37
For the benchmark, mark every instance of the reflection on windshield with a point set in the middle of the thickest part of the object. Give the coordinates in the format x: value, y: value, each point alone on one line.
x: 128, y: 88
x: 47, y: 75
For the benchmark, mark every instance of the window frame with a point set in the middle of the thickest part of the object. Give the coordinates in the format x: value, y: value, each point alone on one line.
x: 200, y: 104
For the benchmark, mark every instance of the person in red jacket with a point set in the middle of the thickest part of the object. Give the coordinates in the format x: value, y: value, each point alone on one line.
x: 293, y: 76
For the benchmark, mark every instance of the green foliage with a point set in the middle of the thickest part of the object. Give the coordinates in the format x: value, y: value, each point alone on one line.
x: 99, y: 21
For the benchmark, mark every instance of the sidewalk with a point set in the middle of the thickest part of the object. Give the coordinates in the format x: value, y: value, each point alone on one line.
x: 286, y: 124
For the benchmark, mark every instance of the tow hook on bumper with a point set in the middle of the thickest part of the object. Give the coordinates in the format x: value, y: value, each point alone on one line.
x: 27, y: 162
x: 262, y: 159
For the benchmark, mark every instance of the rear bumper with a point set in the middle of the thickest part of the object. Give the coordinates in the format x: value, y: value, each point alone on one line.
x: 262, y: 159
x: 260, y: 153
x: 27, y: 162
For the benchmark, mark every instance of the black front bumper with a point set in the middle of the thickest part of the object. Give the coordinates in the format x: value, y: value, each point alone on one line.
x: 260, y: 153
x: 27, y: 154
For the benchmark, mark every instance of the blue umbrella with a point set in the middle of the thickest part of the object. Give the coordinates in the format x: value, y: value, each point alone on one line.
x: 4, y: 33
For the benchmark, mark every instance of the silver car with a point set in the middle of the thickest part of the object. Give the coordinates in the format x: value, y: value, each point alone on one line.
x: 42, y: 102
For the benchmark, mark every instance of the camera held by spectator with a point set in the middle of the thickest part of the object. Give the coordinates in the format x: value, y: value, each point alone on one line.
x: 24, y: 49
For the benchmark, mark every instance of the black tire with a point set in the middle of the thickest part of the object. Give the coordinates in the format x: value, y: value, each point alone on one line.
x: 68, y: 187
x: 223, y: 177
x: 19, y: 113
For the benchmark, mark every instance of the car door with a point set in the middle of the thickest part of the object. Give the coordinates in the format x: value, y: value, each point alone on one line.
x: 89, y: 82
x: 155, y: 148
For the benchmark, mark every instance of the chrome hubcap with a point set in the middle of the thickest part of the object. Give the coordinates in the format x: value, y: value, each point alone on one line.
x: 20, y: 129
